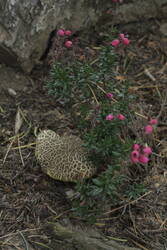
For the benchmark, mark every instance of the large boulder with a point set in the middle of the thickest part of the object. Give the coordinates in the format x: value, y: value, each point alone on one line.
x: 25, y: 26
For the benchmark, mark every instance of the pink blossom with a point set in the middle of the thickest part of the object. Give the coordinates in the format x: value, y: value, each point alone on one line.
x: 109, y: 95
x: 136, y: 146
x: 121, y: 117
x: 148, y: 129
x: 153, y: 121
x: 68, y: 32
x: 109, y: 117
x: 134, y: 156
x: 60, y: 32
x: 147, y: 150
x: 115, y: 42
x: 68, y: 44
x: 125, y: 41
x: 143, y: 159
x: 121, y: 36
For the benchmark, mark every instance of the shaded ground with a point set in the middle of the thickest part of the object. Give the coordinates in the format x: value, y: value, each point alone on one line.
x: 28, y: 198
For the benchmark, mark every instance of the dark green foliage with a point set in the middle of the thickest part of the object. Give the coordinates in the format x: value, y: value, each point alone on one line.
x: 134, y: 190
x: 76, y: 79
x: 86, y: 83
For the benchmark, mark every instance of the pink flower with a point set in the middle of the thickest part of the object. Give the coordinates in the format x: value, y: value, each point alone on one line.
x: 68, y: 32
x: 68, y: 44
x: 143, y: 159
x: 136, y: 146
x: 121, y: 117
x: 134, y: 156
x: 109, y: 117
x: 153, y: 121
x: 125, y: 41
x: 60, y: 32
x: 121, y: 36
x: 148, y: 129
x: 115, y: 42
x: 147, y: 150
x: 109, y: 95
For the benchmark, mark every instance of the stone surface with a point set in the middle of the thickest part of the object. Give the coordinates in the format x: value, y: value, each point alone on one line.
x: 67, y: 236
x: 142, y: 10
x: 11, y: 82
x: 25, y: 26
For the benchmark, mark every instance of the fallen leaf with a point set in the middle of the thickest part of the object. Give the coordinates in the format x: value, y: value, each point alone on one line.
x: 120, y: 78
x: 18, y: 121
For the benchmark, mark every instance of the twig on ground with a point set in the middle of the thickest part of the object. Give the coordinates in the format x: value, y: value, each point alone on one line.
x: 129, y: 203
x: 147, y: 73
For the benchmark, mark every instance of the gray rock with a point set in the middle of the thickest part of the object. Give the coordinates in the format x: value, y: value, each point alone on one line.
x: 142, y: 10
x: 25, y: 26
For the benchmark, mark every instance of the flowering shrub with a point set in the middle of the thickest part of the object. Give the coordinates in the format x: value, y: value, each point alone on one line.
x: 103, y: 118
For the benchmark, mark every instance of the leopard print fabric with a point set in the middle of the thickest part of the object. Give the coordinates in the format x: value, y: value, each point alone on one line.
x: 63, y: 157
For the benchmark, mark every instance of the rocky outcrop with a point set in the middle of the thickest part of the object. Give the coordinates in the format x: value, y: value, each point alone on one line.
x: 25, y: 26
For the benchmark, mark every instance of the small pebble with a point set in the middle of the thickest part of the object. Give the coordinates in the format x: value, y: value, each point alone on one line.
x: 12, y: 92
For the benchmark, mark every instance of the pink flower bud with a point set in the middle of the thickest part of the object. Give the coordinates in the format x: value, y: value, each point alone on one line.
x: 125, y: 41
x: 109, y: 95
x: 121, y: 36
x: 136, y: 146
x: 68, y: 32
x: 121, y: 117
x: 68, y: 44
x: 115, y: 43
x: 109, y: 117
x: 153, y: 121
x: 60, y: 32
x: 147, y: 150
x: 143, y: 159
x: 134, y: 156
x: 148, y: 129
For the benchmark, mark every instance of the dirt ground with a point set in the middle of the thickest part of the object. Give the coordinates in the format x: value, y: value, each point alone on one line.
x: 28, y: 198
